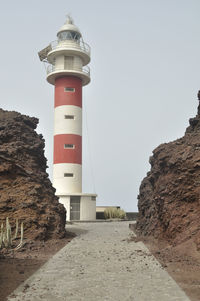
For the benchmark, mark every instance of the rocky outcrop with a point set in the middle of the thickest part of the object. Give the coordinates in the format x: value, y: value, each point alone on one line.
x: 26, y: 192
x: 169, y: 197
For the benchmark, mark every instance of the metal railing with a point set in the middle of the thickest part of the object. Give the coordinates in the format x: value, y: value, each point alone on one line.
x: 85, y: 69
x: 71, y: 44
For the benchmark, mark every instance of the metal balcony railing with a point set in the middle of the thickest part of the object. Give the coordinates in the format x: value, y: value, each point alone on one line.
x: 80, y: 45
x: 85, y: 69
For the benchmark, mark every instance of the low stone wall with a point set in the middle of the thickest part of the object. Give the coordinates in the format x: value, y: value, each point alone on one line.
x: 131, y: 216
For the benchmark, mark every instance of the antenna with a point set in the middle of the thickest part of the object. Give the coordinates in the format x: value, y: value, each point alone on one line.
x: 69, y: 19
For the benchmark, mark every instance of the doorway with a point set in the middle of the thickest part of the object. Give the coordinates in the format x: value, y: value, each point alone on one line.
x: 75, y: 208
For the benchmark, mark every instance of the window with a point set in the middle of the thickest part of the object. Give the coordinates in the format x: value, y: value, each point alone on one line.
x: 69, y: 116
x: 93, y: 198
x: 68, y: 174
x: 69, y: 89
x: 69, y: 146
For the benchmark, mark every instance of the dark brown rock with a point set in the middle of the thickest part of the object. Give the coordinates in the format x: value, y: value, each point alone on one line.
x: 169, y: 197
x: 26, y: 192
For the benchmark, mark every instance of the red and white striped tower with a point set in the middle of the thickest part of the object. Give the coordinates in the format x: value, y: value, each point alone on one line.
x: 68, y: 72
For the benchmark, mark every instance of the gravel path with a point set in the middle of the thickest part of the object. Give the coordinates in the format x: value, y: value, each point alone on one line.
x: 100, y: 264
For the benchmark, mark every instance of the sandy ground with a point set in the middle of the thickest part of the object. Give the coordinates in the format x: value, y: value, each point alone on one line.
x: 101, y: 263
x: 181, y: 261
x: 16, y: 267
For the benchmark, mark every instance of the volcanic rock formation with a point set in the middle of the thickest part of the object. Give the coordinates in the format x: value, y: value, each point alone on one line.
x: 26, y: 192
x: 169, y: 197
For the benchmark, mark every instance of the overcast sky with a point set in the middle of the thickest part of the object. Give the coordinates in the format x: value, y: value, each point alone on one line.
x: 144, y: 80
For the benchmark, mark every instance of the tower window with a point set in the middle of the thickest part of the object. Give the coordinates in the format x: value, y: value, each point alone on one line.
x: 69, y: 146
x: 69, y: 89
x: 69, y: 116
x: 68, y: 174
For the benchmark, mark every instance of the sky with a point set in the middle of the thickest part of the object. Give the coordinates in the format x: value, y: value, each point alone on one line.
x: 145, y: 58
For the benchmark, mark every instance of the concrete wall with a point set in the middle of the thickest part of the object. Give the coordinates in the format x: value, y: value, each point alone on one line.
x: 70, y: 62
x: 131, y: 216
x: 87, y: 208
x: 65, y: 200
x: 59, y: 63
x: 67, y: 168
x: 70, y: 126
x: 67, y: 184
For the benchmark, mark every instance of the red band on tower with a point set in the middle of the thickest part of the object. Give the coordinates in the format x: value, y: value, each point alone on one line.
x: 63, y: 97
x: 63, y: 154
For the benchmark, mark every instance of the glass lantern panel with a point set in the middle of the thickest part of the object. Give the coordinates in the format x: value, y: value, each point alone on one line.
x: 68, y: 35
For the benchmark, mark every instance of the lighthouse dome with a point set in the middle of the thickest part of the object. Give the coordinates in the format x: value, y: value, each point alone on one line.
x: 69, y: 31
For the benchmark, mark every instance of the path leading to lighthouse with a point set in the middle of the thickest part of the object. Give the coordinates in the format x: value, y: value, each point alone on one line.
x: 101, y: 264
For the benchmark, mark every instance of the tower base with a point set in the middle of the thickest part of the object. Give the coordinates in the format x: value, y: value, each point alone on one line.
x: 79, y: 206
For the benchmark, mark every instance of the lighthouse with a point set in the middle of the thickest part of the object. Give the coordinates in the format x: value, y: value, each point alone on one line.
x: 66, y: 61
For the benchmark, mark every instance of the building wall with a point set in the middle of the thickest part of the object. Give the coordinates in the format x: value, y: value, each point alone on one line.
x: 67, y: 184
x: 68, y: 98
x: 67, y: 168
x: 63, y: 62
x: 59, y: 62
x: 63, y: 124
x: 65, y: 200
x: 87, y: 208
x: 67, y: 154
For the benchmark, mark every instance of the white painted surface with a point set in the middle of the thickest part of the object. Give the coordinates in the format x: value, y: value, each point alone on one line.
x: 78, y: 194
x: 70, y: 27
x: 83, y: 75
x: 65, y: 200
x: 68, y: 126
x: 68, y: 62
x: 78, y: 64
x: 59, y: 62
x: 87, y: 208
x: 67, y: 185
x: 69, y: 48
